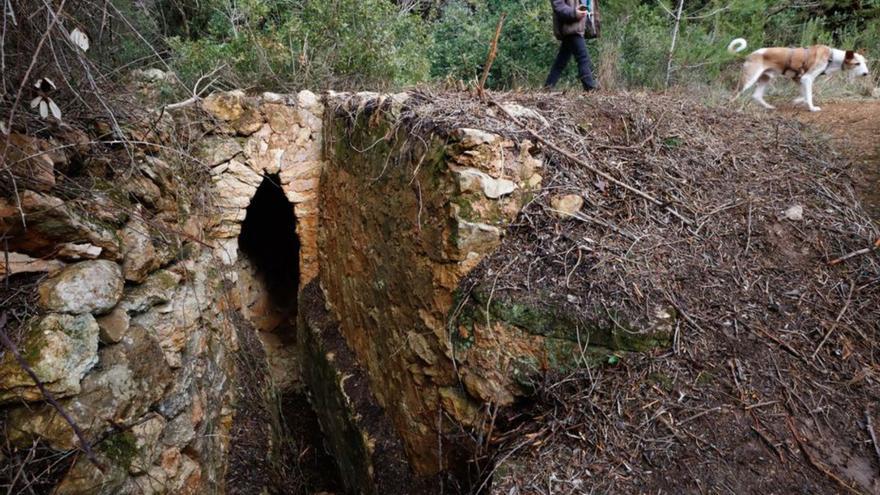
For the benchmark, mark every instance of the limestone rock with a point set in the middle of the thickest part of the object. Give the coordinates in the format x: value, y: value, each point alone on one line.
x: 140, y: 256
x: 151, y: 75
x: 528, y: 164
x: 93, y: 286
x: 251, y: 121
x: 60, y: 349
x: 113, y: 325
x: 147, y: 446
x: 308, y: 100
x: 157, y: 289
x: 132, y: 378
x: 270, y: 97
x: 143, y: 189
x: 22, y: 263
x: 224, y: 106
x: 234, y: 109
x: 75, y: 252
x: 488, y: 390
x: 52, y: 221
x: 471, y: 138
x: 522, y: 112
x: 171, y: 323
x: 179, y: 432
x: 477, y: 237
x: 534, y: 181
x: 84, y: 478
x: 217, y: 151
x: 566, y: 206
x: 472, y: 180
x: 795, y: 213
x: 459, y: 405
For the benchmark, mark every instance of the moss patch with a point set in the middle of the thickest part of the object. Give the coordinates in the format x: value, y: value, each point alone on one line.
x: 555, y: 322
x: 120, y: 448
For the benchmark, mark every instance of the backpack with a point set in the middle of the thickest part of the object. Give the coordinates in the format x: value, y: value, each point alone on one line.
x: 594, y: 19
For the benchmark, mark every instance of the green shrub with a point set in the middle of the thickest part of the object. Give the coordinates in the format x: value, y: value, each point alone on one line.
x: 464, y: 31
x: 289, y: 44
x: 376, y: 44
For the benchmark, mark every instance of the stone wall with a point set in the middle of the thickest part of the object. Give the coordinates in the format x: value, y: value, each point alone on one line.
x: 272, y: 134
x: 131, y: 336
x: 136, y: 334
x: 403, y: 219
x: 256, y: 137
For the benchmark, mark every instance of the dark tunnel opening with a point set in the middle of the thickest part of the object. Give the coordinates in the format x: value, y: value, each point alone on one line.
x: 268, y: 238
x: 269, y: 241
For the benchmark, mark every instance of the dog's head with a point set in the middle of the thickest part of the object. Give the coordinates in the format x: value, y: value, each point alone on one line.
x: 854, y: 64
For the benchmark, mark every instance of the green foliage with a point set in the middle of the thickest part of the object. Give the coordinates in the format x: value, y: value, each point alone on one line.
x: 288, y: 44
x: 269, y: 44
x: 634, y: 48
x: 464, y: 30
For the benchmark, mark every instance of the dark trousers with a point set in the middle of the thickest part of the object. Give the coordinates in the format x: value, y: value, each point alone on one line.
x: 573, y: 44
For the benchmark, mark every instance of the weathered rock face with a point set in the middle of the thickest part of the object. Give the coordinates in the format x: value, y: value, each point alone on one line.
x: 400, y: 224
x: 60, y: 349
x: 87, y: 287
x: 137, y: 341
x: 143, y: 368
x: 52, y: 221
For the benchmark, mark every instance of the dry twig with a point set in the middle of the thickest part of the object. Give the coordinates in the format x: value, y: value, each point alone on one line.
x: 815, y: 463
x: 589, y: 167
x: 853, y: 254
x: 493, y: 50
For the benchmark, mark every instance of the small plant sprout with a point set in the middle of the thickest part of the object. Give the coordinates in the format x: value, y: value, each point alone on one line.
x: 45, y: 103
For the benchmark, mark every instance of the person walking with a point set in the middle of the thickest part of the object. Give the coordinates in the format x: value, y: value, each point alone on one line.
x: 569, y: 24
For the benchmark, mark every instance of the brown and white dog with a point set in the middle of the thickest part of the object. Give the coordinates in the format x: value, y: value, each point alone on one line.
x: 802, y: 65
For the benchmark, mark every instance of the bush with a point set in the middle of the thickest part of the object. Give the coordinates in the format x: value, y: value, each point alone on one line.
x: 288, y: 44
x: 464, y: 31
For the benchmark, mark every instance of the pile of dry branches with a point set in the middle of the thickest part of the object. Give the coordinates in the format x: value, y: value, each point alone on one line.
x: 733, y: 222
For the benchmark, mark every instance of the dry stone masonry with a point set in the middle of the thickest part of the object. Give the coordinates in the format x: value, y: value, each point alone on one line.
x: 140, y: 306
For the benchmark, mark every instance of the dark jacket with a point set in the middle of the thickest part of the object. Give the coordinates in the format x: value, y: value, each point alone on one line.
x: 565, y: 21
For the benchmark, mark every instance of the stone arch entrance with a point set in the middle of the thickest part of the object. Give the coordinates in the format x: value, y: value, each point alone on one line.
x: 269, y: 241
x: 266, y: 164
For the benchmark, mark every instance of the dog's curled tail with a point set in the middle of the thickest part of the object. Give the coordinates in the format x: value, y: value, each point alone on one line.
x: 737, y: 45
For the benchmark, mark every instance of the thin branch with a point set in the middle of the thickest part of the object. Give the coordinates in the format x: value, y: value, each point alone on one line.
x: 870, y: 426
x: 853, y: 254
x: 852, y: 287
x: 493, y: 51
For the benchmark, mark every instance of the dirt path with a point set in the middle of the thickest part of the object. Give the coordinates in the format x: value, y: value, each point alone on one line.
x: 854, y: 127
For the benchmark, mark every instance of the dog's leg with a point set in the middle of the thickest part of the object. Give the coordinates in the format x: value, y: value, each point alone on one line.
x: 807, y: 88
x: 760, y: 89
x: 750, y: 76
x: 800, y: 100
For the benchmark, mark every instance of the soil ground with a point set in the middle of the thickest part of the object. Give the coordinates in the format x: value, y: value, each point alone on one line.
x: 771, y: 382
x: 854, y: 127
